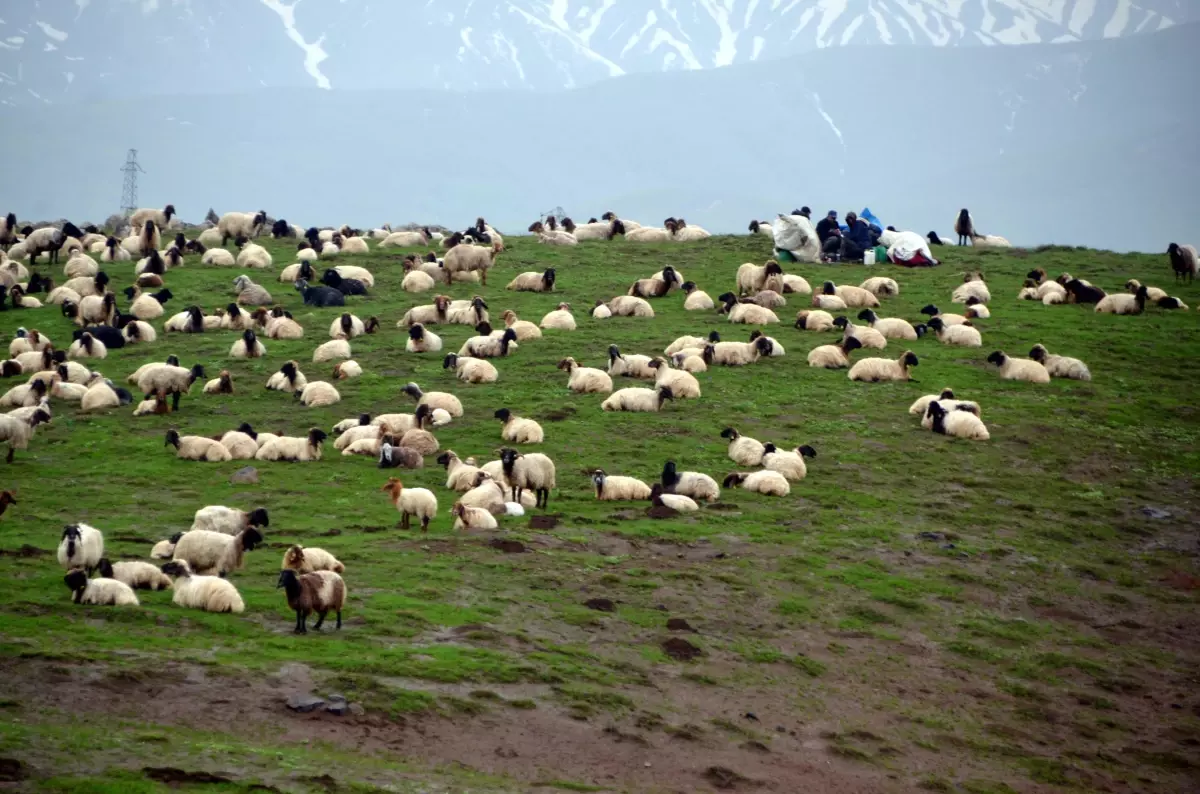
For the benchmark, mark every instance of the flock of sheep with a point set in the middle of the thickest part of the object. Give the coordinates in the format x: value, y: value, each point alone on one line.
x: 198, y: 562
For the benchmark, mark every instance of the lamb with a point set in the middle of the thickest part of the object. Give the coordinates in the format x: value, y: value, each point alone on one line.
x: 469, y: 259
x: 752, y: 278
x: 790, y: 464
x: 881, y: 286
x: 99, y: 592
x: 435, y: 399
x: 161, y: 218
x: 518, y: 430
x: 1123, y: 303
x: 973, y: 286
x: 135, y: 574
x: 331, y: 351
x: 1060, y: 366
x: 869, y: 337
x: 643, y: 400
x: 318, y: 394
x: 240, y: 224
x: 16, y: 431
x: 164, y: 549
x: 749, y: 313
x: 736, y: 354
x: 619, y: 489
x: 431, y: 314
x: 487, y: 346
x: 817, y: 320
x: 768, y: 483
x: 962, y: 424
x: 682, y: 384
x: 418, y: 502
x: 533, y: 281
x: 1019, y: 368
x: 471, y: 518
x: 169, y: 379
x: 677, y: 502
x: 693, y: 484
x: 302, y: 560
x: 196, y: 447
x: 835, y: 356
x: 532, y: 471
x: 81, y: 546
x: 601, y: 311
x: 293, y: 448
x: 229, y: 520
x: 289, y: 378
x: 585, y: 380
x: 209, y: 593
x: 1184, y: 261
x: 629, y: 306
x: 471, y: 370
x: 631, y: 366
x: 964, y: 335
x: 976, y: 310
x: 874, y: 370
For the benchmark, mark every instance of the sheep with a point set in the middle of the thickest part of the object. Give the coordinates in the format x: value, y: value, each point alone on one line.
x: 80, y: 265
x: 697, y: 299
x: 430, y: 314
x: 853, y: 297
x: 229, y: 520
x: 962, y: 424
x: 889, y: 327
x: 990, y: 241
x: 209, y: 593
x: 99, y: 592
x: 416, y: 280
x: 560, y: 319
x: 169, y: 379
x: 869, y: 337
x: 404, y: 240
x: 616, y: 488
x: 533, y: 281
x: 319, y: 296
x: 768, y: 299
x: 346, y: 326
x: 318, y: 394
x: 874, y: 370
x: 218, y: 257
x: 1079, y: 291
x: 470, y: 258
x: 346, y: 370
x: 302, y: 560
x: 585, y: 380
x: 656, y: 286
x: 248, y: 346
x: 87, y: 346
x: 743, y: 450
x: 631, y: 366
x: 418, y: 438
x: 418, y: 502
x: 1122, y: 303
x: 47, y: 240
x: 1060, y: 366
x: 1152, y: 293
x: 24, y: 396
x: 471, y: 517
x: 472, y: 312
x: 197, y: 447
x: 487, y: 346
x: 973, y: 286
x: 487, y: 493
x: 964, y: 227
x: 240, y: 224
x: 289, y: 378
x: 948, y: 319
x: 279, y: 325
x: 919, y: 406
x: 828, y: 302
x: 763, y: 228
x: 643, y: 400
x: 355, y: 245
x: 138, y: 332
x: 1184, y: 261
x: 249, y: 293
x: 209, y: 237
x: 736, y: 354
x: 216, y: 553
x: 596, y: 230
x: 8, y: 231
x: 391, y: 457
x: 161, y: 218
x: 531, y: 471
x: 460, y: 476
x: 768, y: 483
x: 320, y: 591
x: 1019, y: 368
x: 629, y: 306
x: 964, y: 335
x: 297, y: 271
x: 691, y: 343
x: 601, y: 311
x: 693, y: 484
x: 100, y: 395
x: 677, y: 502
x: 164, y: 549
x: 81, y: 546
x: 817, y: 320
x: 347, y: 286
x: 881, y: 286
x: 32, y: 341
x: 435, y: 399
x: 790, y: 464
x: 331, y: 351
x: 749, y: 313
x: 834, y: 356
x: 518, y: 430
x: 17, y: 430
x: 976, y: 310
x: 752, y: 278
x: 134, y: 574
x: 682, y: 384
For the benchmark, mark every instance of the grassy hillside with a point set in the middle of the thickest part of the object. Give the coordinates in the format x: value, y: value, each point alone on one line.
x: 967, y: 616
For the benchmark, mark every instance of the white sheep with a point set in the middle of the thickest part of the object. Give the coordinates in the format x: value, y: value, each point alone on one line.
x: 197, y: 448
x: 963, y: 335
x: 768, y: 483
x: 419, y: 502
x: 818, y: 320
x: 867, y: 337
x: 788, y: 463
x: 209, y: 593
x: 616, y: 488
x: 736, y: 354
x: 682, y: 384
x: 875, y: 370
x: 1019, y: 368
x: 530, y: 471
x: 1060, y: 366
x: 229, y: 520
x: 332, y: 350
x: 293, y: 448
x: 678, y: 502
x: 834, y: 356
x: 318, y: 394
x: 135, y: 574
x: 81, y: 546
x: 752, y: 278
x: 471, y: 517
x: 307, y: 560
x: 743, y: 450
x: 99, y: 592
x: 629, y: 306
x: 881, y: 286
x: 962, y: 424
x: 638, y: 400
x: 16, y: 430
x: 585, y: 380
x: 218, y: 257
x: 697, y: 485
x: 248, y: 346
x: 918, y: 407
x: 973, y: 286
x: 217, y: 553
x: 519, y: 430
x: 233, y: 225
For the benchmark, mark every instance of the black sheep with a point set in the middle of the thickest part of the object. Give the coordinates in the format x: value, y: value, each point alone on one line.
x: 1078, y: 292
x: 282, y: 228
x: 320, y: 296
x: 71, y: 230
x: 110, y: 336
x: 346, y: 286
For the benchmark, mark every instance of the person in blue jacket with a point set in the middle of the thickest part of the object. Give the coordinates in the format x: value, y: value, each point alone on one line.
x: 856, y: 238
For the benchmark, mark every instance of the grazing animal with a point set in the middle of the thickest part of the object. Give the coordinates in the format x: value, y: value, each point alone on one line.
x: 964, y: 227
x: 1019, y: 368
x: 1184, y: 261
x: 99, y: 592
x: 134, y: 573
x: 419, y: 502
x: 209, y: 593
x: 81, y: 546
x: 321, y: 592
x: 1060, y: 366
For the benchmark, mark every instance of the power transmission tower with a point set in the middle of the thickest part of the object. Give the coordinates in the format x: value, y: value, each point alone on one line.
x: 129, y: 190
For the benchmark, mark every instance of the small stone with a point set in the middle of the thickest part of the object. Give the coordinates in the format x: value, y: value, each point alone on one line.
x: 357, y: 710
x: 679, y: 624
x: 600, y: 604
x: 1155, y: 512
x: 337, y: 705
x: 244, y: 476
x: 780, y: 729
x: 304, y: 703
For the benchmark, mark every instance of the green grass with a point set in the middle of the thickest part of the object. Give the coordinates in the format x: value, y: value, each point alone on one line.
x: 1044, y: 519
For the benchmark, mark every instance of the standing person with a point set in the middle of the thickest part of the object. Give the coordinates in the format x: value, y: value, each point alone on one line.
x: 857, y: 238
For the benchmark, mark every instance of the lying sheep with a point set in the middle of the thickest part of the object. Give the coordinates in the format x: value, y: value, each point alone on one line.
x: 209, y: 593
x: 616, y: 488
x: 1019, y: 368
x: 471, y: 370
x: 875, y: 370
x: 1060, y: 366
x: 135, y: 574
x: 768, y: 483
x: 99, y: 592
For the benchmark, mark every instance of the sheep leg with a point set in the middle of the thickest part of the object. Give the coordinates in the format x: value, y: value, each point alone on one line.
x: 175, y: 401
x: 9, y: 459
x: 543, y: 495
x: 339, y: 620
x: 483, y: 277
x: 404, y: 520
x: 300, y: 627
x: 320, y: 620
x: 425, y: 523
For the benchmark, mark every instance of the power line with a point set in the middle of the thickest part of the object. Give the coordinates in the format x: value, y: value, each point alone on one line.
x: 129, y: 199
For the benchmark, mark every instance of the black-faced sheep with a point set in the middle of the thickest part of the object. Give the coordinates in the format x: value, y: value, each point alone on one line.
x: 1019, y: 368
x: 209, y: 593
x: 1184, y: 261
x: 768, y: 483
x: 533, y: 471
x: 617, y: 488
x: 229, y: 520
x: 875, y: 370
x: 99, y: 592
x: 134, y: 573
x: 638, y: 400
x: 1122, y: 303
x: 693, y: 484
x: 788, y: 463
x: 293, y: 448
x: 81, y: 546
x: 16, y: 431
x: 208, y: 552
x: 319, y: 296
x: 962, y: 424
x: 1060, y: 366
x: 196, y: 447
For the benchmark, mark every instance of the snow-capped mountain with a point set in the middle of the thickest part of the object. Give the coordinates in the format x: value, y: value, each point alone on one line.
x: 60, y: 51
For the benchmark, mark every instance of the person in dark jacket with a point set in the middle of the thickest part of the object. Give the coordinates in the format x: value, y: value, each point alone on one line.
x: 856, y: 238
x: 826, y: 226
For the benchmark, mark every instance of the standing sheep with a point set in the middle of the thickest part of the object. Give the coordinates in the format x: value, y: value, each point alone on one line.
x: 16, y: 431
x: 81, y: 546
x: 533, y: 471
x: 215, y: 552
x: 419, y: 502
x: 1184, y: 261
x: 320, y: 591
x: 229, y: 520
x: 240, y: 224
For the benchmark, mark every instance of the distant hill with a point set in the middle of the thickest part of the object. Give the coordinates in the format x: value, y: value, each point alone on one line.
x: 1091, y: 143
